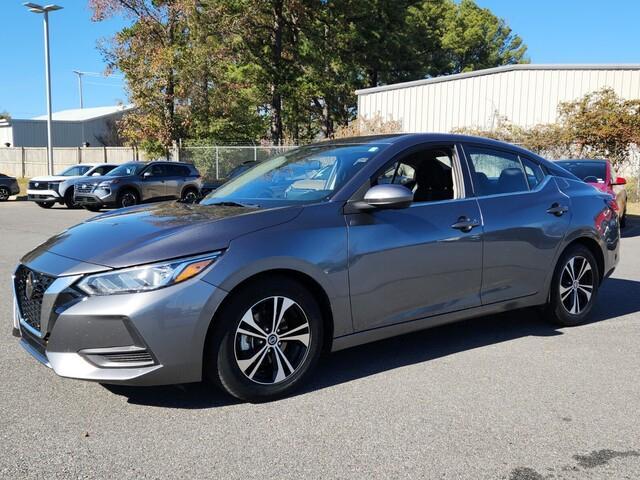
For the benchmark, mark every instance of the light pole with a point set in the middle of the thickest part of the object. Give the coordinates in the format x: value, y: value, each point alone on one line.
x: 79, y: 74
x: 35, y: 8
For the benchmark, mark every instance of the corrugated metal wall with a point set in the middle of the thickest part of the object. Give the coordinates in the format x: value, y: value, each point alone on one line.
x: 33, y: 133
x: 524, y: 96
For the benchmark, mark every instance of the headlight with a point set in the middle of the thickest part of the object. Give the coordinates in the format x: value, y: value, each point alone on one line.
x: 146, y: 277
x: 107, y: 183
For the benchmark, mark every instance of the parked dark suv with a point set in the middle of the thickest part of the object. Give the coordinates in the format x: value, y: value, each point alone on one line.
x: 136, y: 182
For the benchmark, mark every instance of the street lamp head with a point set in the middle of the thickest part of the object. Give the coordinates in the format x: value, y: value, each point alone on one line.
x: 35, y: 8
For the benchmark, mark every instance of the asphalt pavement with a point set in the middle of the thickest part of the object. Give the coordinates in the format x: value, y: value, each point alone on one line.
x: 506, y: 396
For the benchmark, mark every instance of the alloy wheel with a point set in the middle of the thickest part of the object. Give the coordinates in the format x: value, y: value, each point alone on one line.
x: 4, y: 194
x: 272, y: 340
x: 128, y: 200
x: 190, y: 197
x: 576, y: 285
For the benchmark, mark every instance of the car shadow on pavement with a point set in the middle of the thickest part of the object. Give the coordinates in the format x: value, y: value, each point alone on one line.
x: 633, y: 227
x: 617, y: 297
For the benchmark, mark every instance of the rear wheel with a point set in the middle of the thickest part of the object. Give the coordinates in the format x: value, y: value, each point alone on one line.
x: 266, y: 341
x: 45, y: 204
x: 574, y: 287
x: 190, y: 195
x: 128, y: 198
x: 4, y: 194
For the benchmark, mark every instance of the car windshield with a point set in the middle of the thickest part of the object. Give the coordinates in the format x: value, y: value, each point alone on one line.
x: 306, y: 174
x: 587, y: 171
x: 126, y: 169
x: 75, y: 171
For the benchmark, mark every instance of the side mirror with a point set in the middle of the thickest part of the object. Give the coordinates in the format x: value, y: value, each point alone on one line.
x: 389, y: 196
x: 619, y: 181
x: 146, y: 175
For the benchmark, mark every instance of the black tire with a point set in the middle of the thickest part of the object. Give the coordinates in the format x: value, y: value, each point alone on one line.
x: 92, y: 208
x: 45, y: 204
x: 127, y: 198
x: 623, y: 219
x: 570, y: 305
x: 68, y: 198
x: 226, y: 344
x: 190, y: 195
x: 4, y: 194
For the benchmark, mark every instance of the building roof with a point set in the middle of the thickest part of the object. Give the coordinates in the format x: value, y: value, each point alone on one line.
x: 491, y: 71
x: 81, y: 114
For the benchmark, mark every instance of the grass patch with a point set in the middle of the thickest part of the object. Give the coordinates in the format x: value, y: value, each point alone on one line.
x: 23, y: 182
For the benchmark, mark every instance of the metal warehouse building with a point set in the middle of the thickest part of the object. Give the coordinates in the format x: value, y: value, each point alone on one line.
x: 70, y: 128
x: 525, y: 95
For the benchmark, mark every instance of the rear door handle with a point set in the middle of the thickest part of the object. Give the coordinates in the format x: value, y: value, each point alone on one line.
x: 465, y: 224
x: 557, y: 209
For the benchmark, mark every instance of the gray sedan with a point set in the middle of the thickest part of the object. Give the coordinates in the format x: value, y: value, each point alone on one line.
x: 249, y: 287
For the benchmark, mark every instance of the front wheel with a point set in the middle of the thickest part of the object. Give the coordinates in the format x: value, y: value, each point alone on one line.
x: 128, y: 198
x: 68, y: 199
x: 4, y: 194
x: 266, y: 341
x: 45, y: 204
x: 574, y: 287
x: 190, y: 195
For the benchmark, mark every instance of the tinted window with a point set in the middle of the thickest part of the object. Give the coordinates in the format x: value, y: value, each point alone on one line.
x: 127, y: 169
x: 177, y: 170
x: 157, y: 170
x: 496, y: 172
x: 588, y: 171
x: 533, y: 172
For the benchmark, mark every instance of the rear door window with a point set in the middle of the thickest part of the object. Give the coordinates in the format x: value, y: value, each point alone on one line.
x: 533, y: 171
x: 495, y: 172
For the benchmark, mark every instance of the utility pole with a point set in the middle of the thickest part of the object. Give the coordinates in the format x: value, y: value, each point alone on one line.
x: 35, y: 8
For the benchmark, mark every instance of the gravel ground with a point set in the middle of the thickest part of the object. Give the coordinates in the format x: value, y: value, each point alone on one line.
x: 505, y: 397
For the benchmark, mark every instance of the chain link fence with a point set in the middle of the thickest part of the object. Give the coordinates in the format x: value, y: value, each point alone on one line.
x: 215, y: 162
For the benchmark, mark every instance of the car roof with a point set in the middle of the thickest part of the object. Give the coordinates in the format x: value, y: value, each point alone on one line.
x: 581, y: 160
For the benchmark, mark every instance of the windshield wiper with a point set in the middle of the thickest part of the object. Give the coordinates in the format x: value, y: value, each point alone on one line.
x: 234, y: 204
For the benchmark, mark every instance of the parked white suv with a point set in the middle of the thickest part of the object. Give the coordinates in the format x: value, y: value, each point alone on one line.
x: 49, y: 190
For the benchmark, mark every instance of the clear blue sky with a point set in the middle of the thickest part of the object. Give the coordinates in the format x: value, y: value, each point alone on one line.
x: 556, y: 31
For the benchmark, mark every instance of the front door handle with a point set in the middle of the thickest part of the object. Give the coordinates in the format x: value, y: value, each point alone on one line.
x: 465, y: 224
x: 557, y: 209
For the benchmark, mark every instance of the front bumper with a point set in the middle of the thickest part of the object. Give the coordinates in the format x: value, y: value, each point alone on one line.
x: 43, y: 196
x: 96, y: 198
x: 149, y: 338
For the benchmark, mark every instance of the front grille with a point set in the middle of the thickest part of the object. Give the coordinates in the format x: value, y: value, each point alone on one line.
x: 30, y: 287
x: 84, y: 188
x: 38, y: 186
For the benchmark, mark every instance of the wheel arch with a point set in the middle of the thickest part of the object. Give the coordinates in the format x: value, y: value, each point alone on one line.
x: 131, y: 187
x: 306, y: 280
x: 594, y: 247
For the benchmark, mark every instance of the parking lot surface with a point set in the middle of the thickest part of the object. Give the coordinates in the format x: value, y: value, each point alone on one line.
x: 505, y: 397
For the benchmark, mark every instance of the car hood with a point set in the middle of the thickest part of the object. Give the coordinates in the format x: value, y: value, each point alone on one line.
x: 103, y: 178
x: 52, y: 178
x: 146, y: 234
